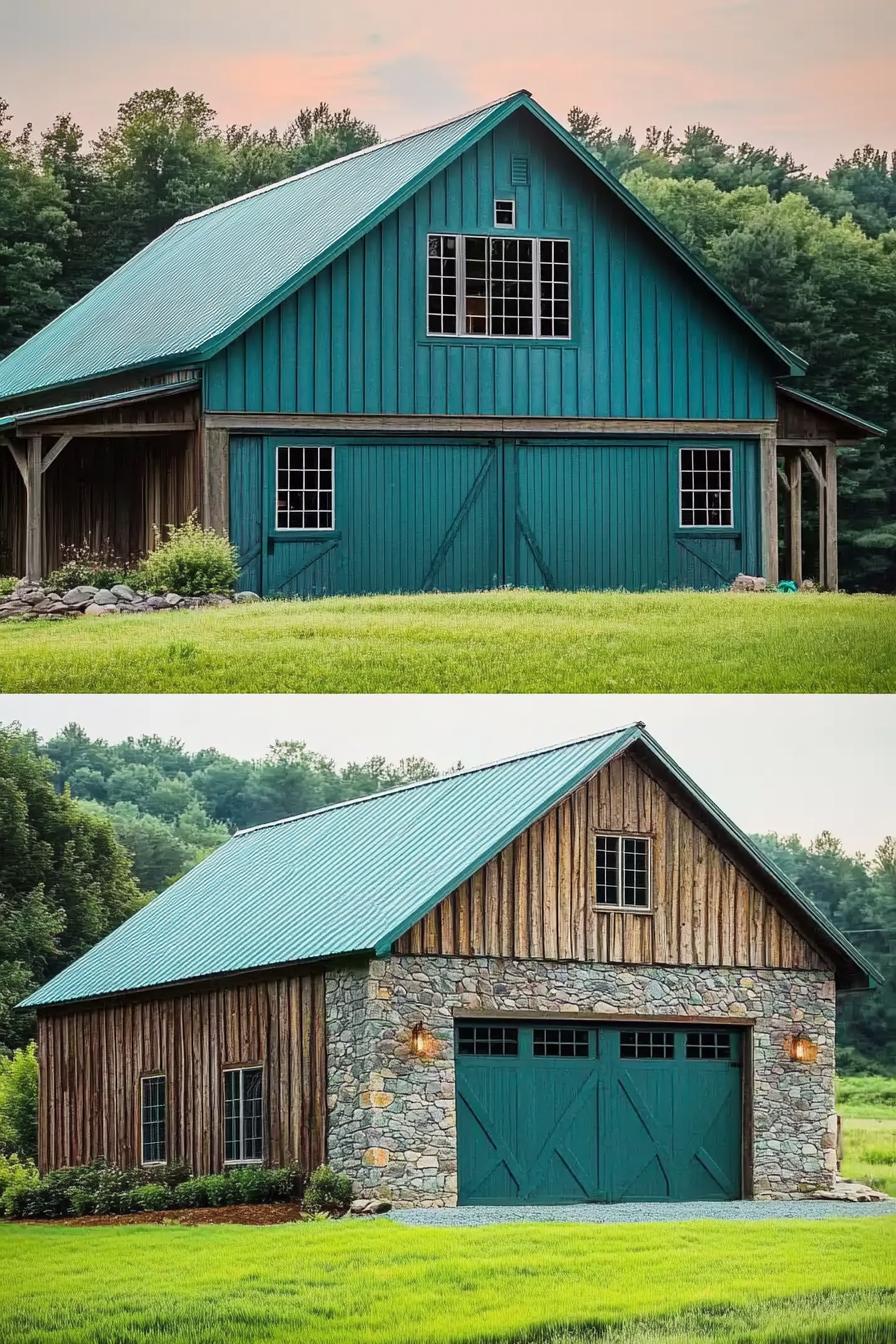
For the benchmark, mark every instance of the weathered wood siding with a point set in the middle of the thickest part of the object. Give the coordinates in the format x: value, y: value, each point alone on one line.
x: 535, y: 898
x: 647, y: 339
x: 93, y: 1057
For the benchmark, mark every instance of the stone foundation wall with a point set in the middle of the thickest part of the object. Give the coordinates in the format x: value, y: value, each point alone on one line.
x: 391, y: 1114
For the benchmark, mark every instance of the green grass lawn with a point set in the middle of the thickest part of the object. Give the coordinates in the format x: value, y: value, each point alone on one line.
x: 329, y: 1283
x: 502, y: 641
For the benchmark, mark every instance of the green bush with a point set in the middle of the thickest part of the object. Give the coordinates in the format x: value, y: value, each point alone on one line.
x: 151, y: 1198
x: 191, y: 561
x: 83, y: 1202
x: 100, y: 568
x: 173, y: 1173
x: 191, y: 1194
x: 248, y: 1185
x: 18, y: 1175
x: 327, y: 1191
x: 18, y: 1101
x: 7, y: 583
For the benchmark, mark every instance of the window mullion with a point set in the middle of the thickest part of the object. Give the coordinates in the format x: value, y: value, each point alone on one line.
x: 536, y: 288
x: 620, y: 870
x: 242, y: 1125
x: 460, y: 253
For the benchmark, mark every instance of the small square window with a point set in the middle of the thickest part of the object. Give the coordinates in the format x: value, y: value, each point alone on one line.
x: 646, y: 1045
x: 485, y: 1040
x: 622, y: 871
x: 561, y: 1042
x: 708, y: 1045
x: 505, y: 214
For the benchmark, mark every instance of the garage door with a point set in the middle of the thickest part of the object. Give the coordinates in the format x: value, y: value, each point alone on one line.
x: 556, y: 1114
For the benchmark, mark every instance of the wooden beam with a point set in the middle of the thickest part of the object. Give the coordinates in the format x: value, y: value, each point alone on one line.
x: 119, y: 430
x: 811, y: 462
x: 795, y: 486
x: 783, y: 479
x: 20, y: 458
x: 215, y: 479
x: 768, y: 449
x: 830, y: 517
x: 34, y: 512
x: 260, y: 423
x: 62, y: 442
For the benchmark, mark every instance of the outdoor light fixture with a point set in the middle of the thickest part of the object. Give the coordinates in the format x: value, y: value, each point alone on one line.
x: 418, y: 1039
x: 800, y: 1048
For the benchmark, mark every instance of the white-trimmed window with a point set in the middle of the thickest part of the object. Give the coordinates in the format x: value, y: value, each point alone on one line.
x: 505, y: 214
x: 153, y: 1120
x: 243, y: 1115
x: 304, y: 488
x: 622, y: 872
x: 489, y: 286
x: 705, y: 487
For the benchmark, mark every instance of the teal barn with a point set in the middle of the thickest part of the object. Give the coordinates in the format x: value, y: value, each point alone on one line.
x: 461, y: 359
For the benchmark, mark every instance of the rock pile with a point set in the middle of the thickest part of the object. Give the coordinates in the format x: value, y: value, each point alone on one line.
x: 28, y: 601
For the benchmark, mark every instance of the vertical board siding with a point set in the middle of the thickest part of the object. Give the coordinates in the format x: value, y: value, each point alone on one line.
x: 535, y: 898
x: 93, y: 1057
x: 648, y: 339
x: 459, y: 515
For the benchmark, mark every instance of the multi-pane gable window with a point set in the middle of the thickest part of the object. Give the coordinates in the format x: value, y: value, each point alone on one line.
x: 622, y: 871
x: 706, y: 487
x: 516, y: 287
x: 243, y: 1129
x: 153, y: 1120
x: 505, y: 214
x: 304, y: 487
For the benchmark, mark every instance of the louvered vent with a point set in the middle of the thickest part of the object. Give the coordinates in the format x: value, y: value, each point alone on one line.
x: 519, y: 170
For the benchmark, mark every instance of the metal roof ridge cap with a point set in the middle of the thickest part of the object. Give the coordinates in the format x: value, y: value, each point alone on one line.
x: 437, y: 779
x: 343, y: 158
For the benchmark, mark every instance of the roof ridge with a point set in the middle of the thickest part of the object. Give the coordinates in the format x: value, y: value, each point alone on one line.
x: 343, y: 158
x: 440, y: 779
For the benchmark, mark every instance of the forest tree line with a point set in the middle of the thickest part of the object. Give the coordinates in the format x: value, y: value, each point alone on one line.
x: 814, y: 256
x: 92, y: 830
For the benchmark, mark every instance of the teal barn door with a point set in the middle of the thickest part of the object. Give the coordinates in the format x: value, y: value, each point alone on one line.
x: 556, y: 1114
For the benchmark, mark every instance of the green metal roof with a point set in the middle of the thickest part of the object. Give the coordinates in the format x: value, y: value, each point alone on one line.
x: 867, y: 427
x: 352, y: 878
x: 210, y: 276
x: 99, y: 403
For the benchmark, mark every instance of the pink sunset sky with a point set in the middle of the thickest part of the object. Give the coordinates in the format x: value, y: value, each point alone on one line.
x: 811, y: 76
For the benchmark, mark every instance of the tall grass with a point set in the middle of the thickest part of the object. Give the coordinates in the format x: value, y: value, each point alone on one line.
x: 381, y: 1283
x: 490, y: 642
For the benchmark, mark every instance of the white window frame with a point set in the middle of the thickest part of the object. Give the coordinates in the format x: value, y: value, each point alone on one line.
x: 705, y: 448
x: 144, y: 1160
x: 620, y: 873
x: 460, y: 252
x: 241, y: 1161
x: 322, y: 531
x: 505, y: 200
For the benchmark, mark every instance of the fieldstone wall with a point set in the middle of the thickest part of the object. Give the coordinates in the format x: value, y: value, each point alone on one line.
x: 391, y: 1114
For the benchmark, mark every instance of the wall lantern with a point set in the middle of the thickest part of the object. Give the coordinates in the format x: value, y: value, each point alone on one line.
x: 800, y: 1048
x: 418, y: 1040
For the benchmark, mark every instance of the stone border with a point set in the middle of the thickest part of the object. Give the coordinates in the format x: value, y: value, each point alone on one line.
x: 30, y: 601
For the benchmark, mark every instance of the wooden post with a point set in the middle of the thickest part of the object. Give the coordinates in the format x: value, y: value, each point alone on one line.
x: 795, y: 485
x: 215, y: 479
x: 830, y: 517
x: 812, y: 463
x: 34, y: 498
x: 768, y: 446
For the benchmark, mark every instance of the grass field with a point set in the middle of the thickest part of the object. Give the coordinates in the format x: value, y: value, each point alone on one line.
x: 329, y: 1283
x: 502, y: 641
x: 868, y: 1110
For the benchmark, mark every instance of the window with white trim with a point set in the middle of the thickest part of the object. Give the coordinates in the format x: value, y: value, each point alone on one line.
x: 304, y: 487
x: 705, y: 487
x: 243, y: 1115
x: 622, y: 872
x: 505, y: 214
x: 487, y: 286
x: 153, y: 1120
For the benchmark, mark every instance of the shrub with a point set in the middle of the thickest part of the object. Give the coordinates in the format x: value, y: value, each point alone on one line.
x: 248, y: 1185
x: 18, y: 1101
x: 191, y: 1194
x: 191, y: 561
x: 217, y: 1191
x: 17, y: 1176
x: 153, y: 1198
x: 83, y: 1201
x: 327, y: 1191
x: 7, y: 583
x: 100, y: 568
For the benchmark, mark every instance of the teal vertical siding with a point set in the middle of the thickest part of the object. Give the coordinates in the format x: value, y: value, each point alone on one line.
x: 458, y: 514
x: 647, y: 342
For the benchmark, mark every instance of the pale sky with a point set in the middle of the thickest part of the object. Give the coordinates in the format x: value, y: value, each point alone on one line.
x: 811, y: 76
x: 798, y: 764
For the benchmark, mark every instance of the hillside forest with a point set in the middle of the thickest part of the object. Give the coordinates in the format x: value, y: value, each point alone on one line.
x: 93, y: 829
x: 813, y: 256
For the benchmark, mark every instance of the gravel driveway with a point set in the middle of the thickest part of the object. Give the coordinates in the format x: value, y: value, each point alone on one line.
x: 757, y: 1210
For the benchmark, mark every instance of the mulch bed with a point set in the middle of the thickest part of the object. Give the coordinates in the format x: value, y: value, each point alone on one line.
x: 258, y: 1215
